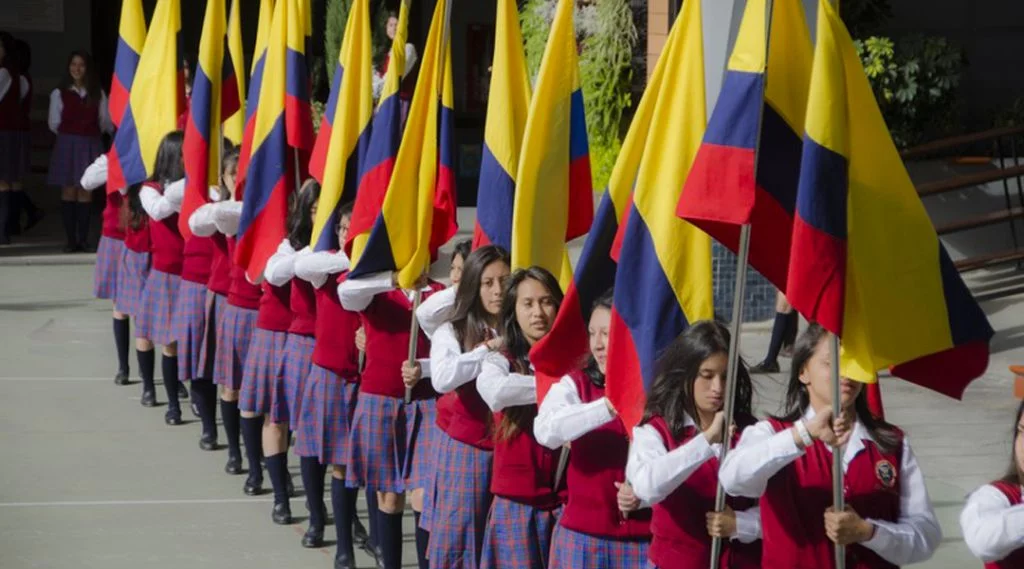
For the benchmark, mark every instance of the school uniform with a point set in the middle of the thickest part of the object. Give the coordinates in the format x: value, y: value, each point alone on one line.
x: 110, y: 249
x: 794, y: 487
x: 993, y: 525
x: 591, y: 531
x: 264, y: 364
x: 526, y: 503
x: 679, y: 476
x: 134, y: 270
x: 14, y: 92
x: 167, y: 246
x: 436, y: 310
x: 79, y: 124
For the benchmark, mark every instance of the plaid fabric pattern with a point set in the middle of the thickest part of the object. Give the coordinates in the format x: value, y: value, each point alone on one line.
x: 234, y: 335
x: 264, y: 366
x: 108, y: 260
x: 517, y: 536
x: 325, y: 413
x: 376, y: 449
x: 574, y: 550
x: 158, y: 300
x: 214, y: 308
x: 188, y: 324
x: 12, y: 156
x: 422, y: 439
x: 131, y: 279
x: 461, y: 498
x: 71, y: 155
x: 298, y: 360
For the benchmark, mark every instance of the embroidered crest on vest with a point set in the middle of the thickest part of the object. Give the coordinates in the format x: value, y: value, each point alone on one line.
x: 886, y: 473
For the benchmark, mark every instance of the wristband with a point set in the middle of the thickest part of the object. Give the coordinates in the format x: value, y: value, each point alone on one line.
x: 805, y: 435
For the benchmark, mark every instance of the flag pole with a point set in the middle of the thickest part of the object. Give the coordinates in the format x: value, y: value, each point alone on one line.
x: 739, y: 294
x: 414, y: 332
x: 837, y: 452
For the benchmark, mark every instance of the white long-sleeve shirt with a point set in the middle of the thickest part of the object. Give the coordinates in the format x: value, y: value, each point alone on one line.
x: 563, y: 417
x: 499, y: 387
x: 227, y: 216
x: 281, y: 265
x: 95, y: 174
x: 161, y: 206
x: 53, y: 118
x: 450, y: 366
x: 992, y: 528
x: 436, y: 310
x: 314, y: 268
x: 5, y: 84
x: 762, y: 453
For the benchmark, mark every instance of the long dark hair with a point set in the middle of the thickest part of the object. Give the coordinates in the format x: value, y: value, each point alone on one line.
x: 885, y: 435
x: 594, y: 373
x: 167, y: 168
x: 462, y: 249
x: 300, y: 222
x: 1013, y: 473
x: 677, y: 370
x: 471, y: 322
x: 90, y: 80
x: 227, y: 162
x: 517, y: 348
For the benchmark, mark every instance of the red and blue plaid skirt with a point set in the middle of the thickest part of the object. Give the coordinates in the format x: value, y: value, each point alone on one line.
x: 264, y: 368
x: 461, y: 498
x: 298, y: 360
x: 131, y: 279
x: 215, y: 304
x: 188, y: 326
x: 517, y: 536
x: 376, y: 453
x: 422, y: 439
x: 158, y: 301
x: 71, y: 155
x: 325, y: 413
x: 574, y: 550
x: 108, y: 259
x: 234, y: 335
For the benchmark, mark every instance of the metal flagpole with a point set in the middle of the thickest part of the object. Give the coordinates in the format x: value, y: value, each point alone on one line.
x: 414, y: 332
x: 839, y: 503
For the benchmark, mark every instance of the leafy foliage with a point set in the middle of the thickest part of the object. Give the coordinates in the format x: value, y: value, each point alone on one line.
x: 336, y: 17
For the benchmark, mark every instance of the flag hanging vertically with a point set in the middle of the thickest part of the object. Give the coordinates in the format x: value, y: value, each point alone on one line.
x: 234, y: 76
x: 663, y: 282
x: 418, y: 213
x: 131, y: 37
x: 345, y: 127
x: 297, y: 109
x: 866, y: 262
x: 252, y: 101
x: 156, y: 100
x: 507, y: 106
x: 554, y: 201
x: 760, y: 110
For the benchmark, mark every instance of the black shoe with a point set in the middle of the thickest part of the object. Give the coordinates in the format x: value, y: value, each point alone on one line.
x: 183, y: 392
x: 289, y: 486
x: 765, y: 367
x: 359, y: 536
x: 209, y: 442
x: 234, y: 465
x: 253, y: 486
x: 282, y: 514
x: 313, y: 538
x: 195, y: 409
x: 343, y: 561
x: 121, y: 378
x: 149, y: 399
x: 173, y: 417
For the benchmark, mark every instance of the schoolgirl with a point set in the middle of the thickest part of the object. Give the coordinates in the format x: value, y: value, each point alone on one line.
x: 602, y: 525
x: 233, y: 308
x: 993, y: 519
x: 160, y: 199
x: 784, y: 331
x: 78, y: 116
x: 376, y: 458
x: 460, y: 494
x: 786, y: 462
x: 437, y: 309
x: 673, y: 460
x: 14, y: 92
x: 526, y: 500
x: 21, y: 59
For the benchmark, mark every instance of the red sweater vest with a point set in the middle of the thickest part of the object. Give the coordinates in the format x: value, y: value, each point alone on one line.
x: 220, y: 266
x: 79, y: 116
x: 198, y: 263
x: 303, y: 305
x: 241, y: 293
x: 386, y: 322
x: 275, y: 307
x: 112, y: 216
x: 11, y: 105
x: 679, y: 526
x: 464, y: 416
x: 524, y: 470
x: 138, y: 240
x: 168, y: 246
x: 596, y: 463
x: 335, y: 346
x: 794, y: 503
x: 1014, y: 560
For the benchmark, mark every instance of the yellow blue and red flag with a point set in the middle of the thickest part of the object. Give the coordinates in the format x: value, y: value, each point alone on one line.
x: 252, y: 100
x: 663, y: 282
x: 344, y: 135
x: 417, y: 215
x: 155, y: 102
x: 297, y: 109
x: 234, y: 76
x: 507, y: 107
x: 131, y: 37
x: 866, y: 262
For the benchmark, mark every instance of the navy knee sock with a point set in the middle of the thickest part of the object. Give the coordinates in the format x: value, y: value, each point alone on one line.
x: 372, y: 513
x: 169, y: 367
x: 778, y: 333
x: 343, y: 503
x: 204, y: 393
x: 277, y: 469
x: 147, y: 361
x: 252, y: 429
x: 390, y: 526
x: 121, y: 343
x: 313, y: 481
x: 422, y: 539
x: 232, y: 426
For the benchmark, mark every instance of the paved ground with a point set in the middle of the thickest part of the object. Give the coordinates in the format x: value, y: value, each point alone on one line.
x: 91, y: 479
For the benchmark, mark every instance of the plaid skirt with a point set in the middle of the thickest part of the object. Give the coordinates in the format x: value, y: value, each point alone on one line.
x: 461, y: 498
x: 131, y: 279
x: 298, y: 360
x: 215, y: 304
x: 158, y: 300
x: 422, y: 439
x: 12, y: 155
x: 325, y: 413
x: 574, y: 550
x: 264, y: 366
x: 377, y: 442
x: 517, y: 536
x: 71, y: 155
x: 108, y: 259
x: 188, y: 325
x: 234, y: 335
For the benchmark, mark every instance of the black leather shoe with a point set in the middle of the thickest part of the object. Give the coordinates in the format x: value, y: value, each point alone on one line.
x: 359, y: 536
x: 282, y: 514
x: 313, y: 538
x: 173, y: 417
x: 208, y: 442
x: 343, y: 561
x: 148, y: 399
x: 253, y: 486
x: 121, y: 378
x: 234, y: 465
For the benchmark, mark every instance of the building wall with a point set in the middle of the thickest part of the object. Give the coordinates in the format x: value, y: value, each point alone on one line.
x: 50, y: 49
